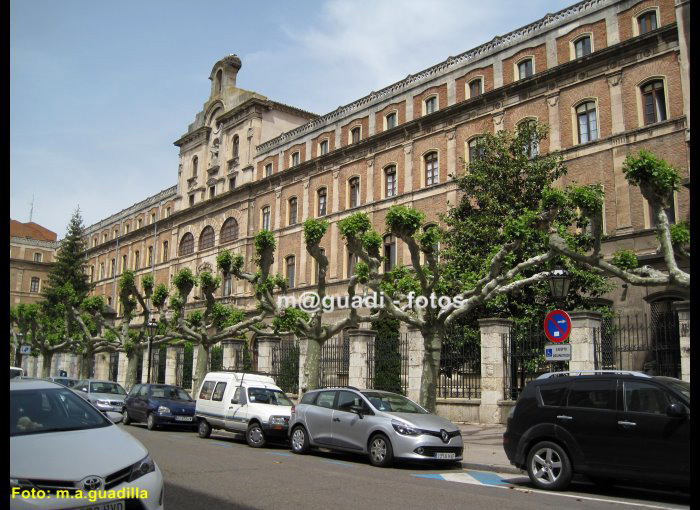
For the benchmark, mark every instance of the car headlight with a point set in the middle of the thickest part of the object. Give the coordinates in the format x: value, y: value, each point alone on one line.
x: 142, y: 467
x: 102, y: 403
x: 279, y: 420
x: 405, y: 429
x: 163, y: 410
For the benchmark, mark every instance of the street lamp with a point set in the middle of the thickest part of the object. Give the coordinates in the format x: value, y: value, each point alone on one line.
x: 151, y: 326
x: 559, y: 280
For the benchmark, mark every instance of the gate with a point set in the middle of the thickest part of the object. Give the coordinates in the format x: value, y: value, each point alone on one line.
x: 523, y: 358
x: 334, y: 362
x: 113, y: 366
x: 183, y: 366
x: 645, y: 344
x: 460, y: 364
x: 158, y: 359
x: 139, y: 368
x: 285, y: 365
x: 387, y: 363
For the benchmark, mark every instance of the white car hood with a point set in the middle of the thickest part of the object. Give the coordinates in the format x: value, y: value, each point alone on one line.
x: 271, y: 409
x: 73, y: 455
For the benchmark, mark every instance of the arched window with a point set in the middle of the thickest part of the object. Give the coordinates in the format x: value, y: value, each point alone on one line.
x: 186, y: 245
x: 293, y: 211
x: 290, y: 271
x: 582, y: 46
x: 321, y: 195
x: 323, y: 147
x: 206, y: 239
x: 229, y: 231
x: 431, y: 105
x: 195, y: 160
x: 646, y: 22
x: 587, y: 120
x: 431, y: 168
x: 355, y: 135
x: 475, y: 149
x: 354, y: 184
x: 653, y: 101
x: 475, y: 87
x: 525, y: 68
x: 390, y: 180
x: 219, y: 80
x: 266, y: 217
x: 391, y: 120
x: 234, y: 147
x: 137, y: 259
x: 389, y: 253
x: 530, y: 148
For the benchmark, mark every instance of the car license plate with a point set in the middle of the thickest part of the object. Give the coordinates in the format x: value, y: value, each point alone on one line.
x: 112, y: 505
x: 443, y: 455
x: 183, y: 418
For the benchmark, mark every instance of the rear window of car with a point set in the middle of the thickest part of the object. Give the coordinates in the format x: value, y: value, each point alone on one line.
x: 207, y: 389
x: 308, y: 398
x: 553, y: 394
x: 218, y: 394
x: 325, y: 399
x: 592, y: 394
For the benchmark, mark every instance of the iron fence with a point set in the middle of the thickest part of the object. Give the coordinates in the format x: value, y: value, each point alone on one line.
x: 216, y: 358
x: 460, y: 368
x: 113, y: 366
x: 524, y: 360
x: 334, y: 361
x: 285, y: 365
x: 649, y: 344
x: 158, y: 360
x: 184, y: 356
x: 387, y: 363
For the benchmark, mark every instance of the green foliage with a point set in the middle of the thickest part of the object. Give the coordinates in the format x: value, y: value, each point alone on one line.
x: 289, y: 320
x: 428, y: 239
x: 680, y: 234
x: 387, y: 355
x: 127, y: 281
x: 208, y: 282
x: 268, y: 285
x: 223, y: 317
x: 362, y: 271
x: 589, y: 198
x: 160, y: 295
x: 147, y: 283
x: 224, y: 261
x: 400, y: 280
x: 646, y: 170
x: 404, y: 220
x: 371, y: 241
x: 93, y: 305
x: 625, y: 259
x: 264, y: 240
x: 184, y: 281
x: 314, y: 230
x: 195, y: 319
x: 354, y: 225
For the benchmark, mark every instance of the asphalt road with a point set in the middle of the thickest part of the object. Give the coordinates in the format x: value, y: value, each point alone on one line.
x: 223, y: 472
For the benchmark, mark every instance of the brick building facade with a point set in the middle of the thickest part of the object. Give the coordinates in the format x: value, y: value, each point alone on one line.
x: 608, y: 76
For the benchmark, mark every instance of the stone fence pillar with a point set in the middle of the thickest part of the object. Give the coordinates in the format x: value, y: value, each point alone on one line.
x: 121, y: 371
x: 358, y: 370
x: 266, y: 345
x: 585, y: 325
x: 144, y: 365
x: 682, y: 308
x: 303, y: 376
x: 102, y: 366
x: 493, y: 369
x: 170, y: 365
x: 416, y: 353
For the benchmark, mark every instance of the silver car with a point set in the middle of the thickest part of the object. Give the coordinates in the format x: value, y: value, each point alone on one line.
x: 105, y: 395
x: 380, y: 424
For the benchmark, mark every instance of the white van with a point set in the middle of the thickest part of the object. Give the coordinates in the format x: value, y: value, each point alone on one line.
x: 246, y: 403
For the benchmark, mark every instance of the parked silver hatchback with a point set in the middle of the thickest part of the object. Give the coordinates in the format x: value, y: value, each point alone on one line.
x: 380, y: 424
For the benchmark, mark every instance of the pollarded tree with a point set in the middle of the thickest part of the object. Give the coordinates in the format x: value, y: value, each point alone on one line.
x: 657, y: 181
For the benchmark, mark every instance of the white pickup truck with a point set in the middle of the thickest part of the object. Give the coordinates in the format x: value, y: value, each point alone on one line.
x: 245, y: 403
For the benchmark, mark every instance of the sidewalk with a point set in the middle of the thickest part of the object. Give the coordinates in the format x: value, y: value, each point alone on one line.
x: 483, y: 448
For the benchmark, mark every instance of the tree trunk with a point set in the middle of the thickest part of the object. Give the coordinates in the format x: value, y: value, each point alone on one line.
x: 432, y: 338
x: 85, y: 361
x: 132, y: 367
x: 47, y: 358
x: 201, y: 367
x: 312, y: 366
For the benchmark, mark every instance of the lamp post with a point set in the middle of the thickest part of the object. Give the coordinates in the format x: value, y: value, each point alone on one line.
x: 151, y: 326
x: 559, y: 281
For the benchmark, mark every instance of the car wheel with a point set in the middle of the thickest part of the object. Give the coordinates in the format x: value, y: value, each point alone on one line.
x: 126, y: 420
x: 255, y: 435
x: 548, y: 466
x: 151, y: 422
x: 380, y: 452
x: 300, y: 441
x: 204, y: 429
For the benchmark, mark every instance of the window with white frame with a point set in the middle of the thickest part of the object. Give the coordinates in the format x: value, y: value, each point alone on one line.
x: 391, y: 120
x: 268, y: 170
x: 389, y: 253
x: 293, y: 211
x: 354, y: 198
x: 266, y: 217
x: 321, y: 196
x: 476, y: 87
x: 653, y: 101
x: 587, y: 121
x: 582, y: 46
x: 34, y: 285
x: 525, y: 68
x: 355, y: 134
x: 431, y: 105
x: 431, y: 168
x: 290, y: 271
x: 323, y: 147
x: 646, y: 22
x: 295, y: 159
x: 390, y: 181
x: 38, y: 256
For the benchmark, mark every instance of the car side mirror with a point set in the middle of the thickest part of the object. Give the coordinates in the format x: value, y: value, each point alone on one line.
x: 234, y: 401
x: 676, y: 410
x: 83, y: 389
x: 358, y: 410
x: 114, y: 417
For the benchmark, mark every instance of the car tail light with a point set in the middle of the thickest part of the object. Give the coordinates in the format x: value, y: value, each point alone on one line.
x: 293, y: 408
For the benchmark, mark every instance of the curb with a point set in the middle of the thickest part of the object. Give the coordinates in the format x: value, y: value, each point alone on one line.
x: 492, y: 467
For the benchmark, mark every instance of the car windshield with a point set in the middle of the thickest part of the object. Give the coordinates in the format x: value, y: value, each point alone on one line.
x: 680, y: 386
x: 107, y: 387
x: 69, y: 383
x: 51, y: 410
x: 15, y: 372
x: 170, y: 392
x: 393, y: 403
x: 268, y: 396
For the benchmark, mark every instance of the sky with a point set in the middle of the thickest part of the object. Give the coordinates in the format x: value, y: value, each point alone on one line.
x: 100, y: 90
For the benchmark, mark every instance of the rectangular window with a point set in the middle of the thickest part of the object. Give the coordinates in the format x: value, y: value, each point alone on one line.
x: 191, y: 200
x: 165, y: 251
x: 212, y: 191
x: 150, y: 255
x: 167, y: 212
x: 553, y: 394
x: 37, y: 257
x: 647, y: 22
x: 583, y: 47
x: 218, y: 394
x: 322, y: 202
x: 227, y: 286
x: 290, y: 272
x: 113, y: 267
x: 266, y: 218
x: 292, y: 211
x: 475, y: 88
x: 354, y: 192
x: 593, y: 394
x: 295, y: 159
x: 268, y: 170
x: 324, y: 147
x: 355, y: 135
x: 430, y: 105
x: 231, y: 183
x: 587, y: 122
x: 525, y: 69
x: 137, y: 260
x: 207, y: 389
x: 654, y: 102
x: 153, y: 218
x: 34, y: 285
x: 431, y: 169
x: 391, y: 121
x: 124, y: 263
x: 390, y: 181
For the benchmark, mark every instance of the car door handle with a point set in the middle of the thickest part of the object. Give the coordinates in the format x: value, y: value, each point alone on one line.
x: 336, y: 419
x: 627, y: 423
x: 564, y: 417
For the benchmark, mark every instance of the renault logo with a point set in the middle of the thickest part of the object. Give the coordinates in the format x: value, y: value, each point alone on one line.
x: 92, y: 483
x: 445, y: 436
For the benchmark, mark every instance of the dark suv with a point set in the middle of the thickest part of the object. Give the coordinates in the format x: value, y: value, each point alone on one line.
x: 604, y: 424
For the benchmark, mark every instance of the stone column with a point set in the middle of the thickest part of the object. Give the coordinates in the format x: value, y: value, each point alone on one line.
x: 416, y: 352
x: 408, y: 167
x: 616, y: 107
x: 303, y: 348
x: 498, y: 121
x: 358, y: 370
x: 227, y: 354
x: 369, y: 181
x: 102, y: 366
x: 267, y: 344
x: 492, y: 367
x: 121, y: 371
x: 144, y: 365
x: 554, y: 123
x: 451, y: 153
x: 682, y: 308
x: 170, y: 362
x: 584, y: 326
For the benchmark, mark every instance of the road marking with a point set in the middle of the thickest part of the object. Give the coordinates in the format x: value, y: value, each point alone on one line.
x: 280, y: 454
x: 503, y: 481
x: 346, y: 464
x: 220, y: 444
